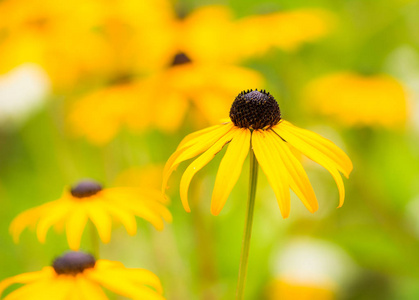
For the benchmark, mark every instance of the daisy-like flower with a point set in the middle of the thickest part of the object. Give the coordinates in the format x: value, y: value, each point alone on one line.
x: 88, y: 200
x: 77, y: 275
x: 256, y: 122
x: 194, y: 64
x: 341, y: 95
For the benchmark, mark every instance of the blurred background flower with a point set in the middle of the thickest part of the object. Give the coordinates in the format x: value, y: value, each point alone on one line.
x: 132, y: 78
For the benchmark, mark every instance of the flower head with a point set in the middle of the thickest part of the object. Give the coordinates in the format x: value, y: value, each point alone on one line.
x: 194, y: 64
x: 256, y: 122
x: 88, y: 200
x: 77, y: 275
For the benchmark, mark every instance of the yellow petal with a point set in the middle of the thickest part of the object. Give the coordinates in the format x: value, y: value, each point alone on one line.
x: 123, y: 287
x: 90, y: 290
x: 230, y: 169
x: 55, y: 215
x: 45, y: 273
x: 199, y: 163
x: 122, y: 215
x: 274, y: 169
x: 327, y: 147
x: 27, y: 218
x: 101, y: 219
x: 315, y: 155
x: 299, y: 182
x: 136, y: 276
x: 75, y: 226
x: 192, y: 148
x: 142, y: 210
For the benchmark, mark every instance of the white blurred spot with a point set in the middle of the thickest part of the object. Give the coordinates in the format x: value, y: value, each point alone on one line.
x: 23, y: 90
x: 306, y: 261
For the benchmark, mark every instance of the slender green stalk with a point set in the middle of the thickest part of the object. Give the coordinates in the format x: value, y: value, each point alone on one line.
x: 248, y: 226
x: 94, y: 240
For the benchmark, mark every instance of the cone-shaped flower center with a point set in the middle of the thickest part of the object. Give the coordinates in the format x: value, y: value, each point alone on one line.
x: 73, y: 263
x: 86, y: 188
x: 180, y: 59
x: 255, y: 110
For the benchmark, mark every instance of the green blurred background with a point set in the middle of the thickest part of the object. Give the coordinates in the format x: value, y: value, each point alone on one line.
x: 197, y: 256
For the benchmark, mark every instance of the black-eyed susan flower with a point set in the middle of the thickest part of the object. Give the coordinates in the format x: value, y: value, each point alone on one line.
x: 77, y: 275
x: 89, y: 201
x: 256, y: 122
x: 193, y: 65
x: 358, y: 100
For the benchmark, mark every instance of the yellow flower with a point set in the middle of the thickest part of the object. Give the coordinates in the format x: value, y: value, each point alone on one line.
x: 193, y: 64
x: 77, y: 275
x: 62, y: 38
x: 281, y: 289
x: 256, y: 122
x: 359, y: 100
x: 87, y: 200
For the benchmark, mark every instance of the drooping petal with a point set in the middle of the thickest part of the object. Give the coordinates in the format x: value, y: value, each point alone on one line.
x: 55, y: 215
x: 142, y: 210
x: 327, y: 147
x: 57, y: 288
x: 299, y: 182
x: 89, y: 290
x: 123, y: 287
x: 274, y: 169
x: 230, y: 169
x: 122, y: 215
x: 192, y: 148
x: 27, y: 218
x: 199, y: 163
x: 45, y: 273
x: 315, y: 155
x: 75, y: 226
x: 137, y: 276
x: 101, y: 219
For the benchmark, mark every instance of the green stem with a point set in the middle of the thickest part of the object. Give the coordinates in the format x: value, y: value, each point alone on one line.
x: 94, y: 240
x: 248, y: 226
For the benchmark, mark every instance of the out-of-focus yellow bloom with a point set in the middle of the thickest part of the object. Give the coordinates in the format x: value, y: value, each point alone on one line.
x: 256, y: 122
x: 193, y: 63
x: 77, y: 275
x: 283, y: 290
x: 146, y: 176
x: 87, y: 200
x: 210, y: 33
x: 61, y: 37
x: 359, y: 100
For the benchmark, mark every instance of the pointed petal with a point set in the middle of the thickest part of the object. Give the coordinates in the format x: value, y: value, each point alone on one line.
x: 75, y: 226
x: 123, y: 287
x: 136, y: 276
x: 274, y: 169
x: 122, y: 215
x: 299, y: 182
x: 55, y: 215
x: 199, y: 163
x: 192, y: 148
x: 101, y: 219
x: 90, y: 290
x: 27, y: 218
x: 230, y: 169
x: 327, y: 147
x: 45, y: 273
x: 315, y: 155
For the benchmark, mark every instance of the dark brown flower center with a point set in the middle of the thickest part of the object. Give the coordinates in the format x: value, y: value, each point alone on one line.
x: 180, y: 59
x: 86, y: 188
x: 255, y: 110
x: 73, y: 263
